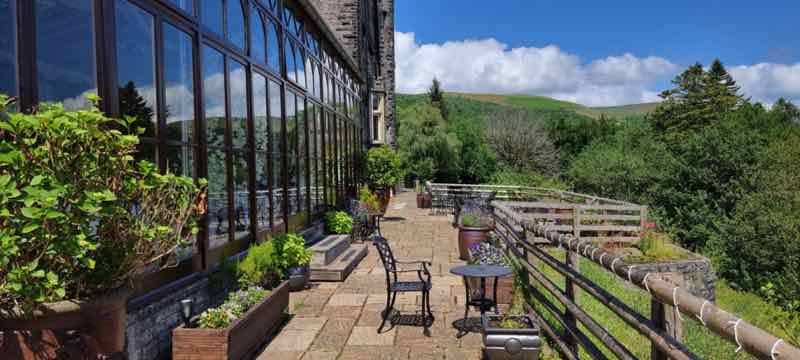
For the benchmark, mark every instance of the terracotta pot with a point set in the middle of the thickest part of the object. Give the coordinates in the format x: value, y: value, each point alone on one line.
x: 505, y: 288
x: 241, y: 339
x: 420, y: 201
x: 103, y: 319
x: 468, y: 236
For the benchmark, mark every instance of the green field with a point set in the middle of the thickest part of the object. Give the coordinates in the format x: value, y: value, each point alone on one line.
x: 698, y: 339
x: 547, y: 103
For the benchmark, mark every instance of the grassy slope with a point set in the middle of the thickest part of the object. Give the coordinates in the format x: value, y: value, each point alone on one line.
x: 546, y: 103
x: 698, y: 339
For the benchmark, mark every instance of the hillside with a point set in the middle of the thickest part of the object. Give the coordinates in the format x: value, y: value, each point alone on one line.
x: 547, y: 103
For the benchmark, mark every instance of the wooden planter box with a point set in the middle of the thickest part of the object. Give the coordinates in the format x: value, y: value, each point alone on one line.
x: 240, y: 339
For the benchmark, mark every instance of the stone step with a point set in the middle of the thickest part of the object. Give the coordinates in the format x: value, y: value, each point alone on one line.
x: 340, y: 268
x: 325, y: 251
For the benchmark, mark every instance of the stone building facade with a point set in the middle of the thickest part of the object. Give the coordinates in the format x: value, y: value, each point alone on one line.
x: 366, y: 29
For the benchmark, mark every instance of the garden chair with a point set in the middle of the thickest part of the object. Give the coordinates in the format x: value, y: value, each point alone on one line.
x: 394, y: 285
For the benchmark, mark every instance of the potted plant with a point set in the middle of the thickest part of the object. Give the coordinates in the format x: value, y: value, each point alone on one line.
x: 473, y: 228
x: 510, y: 337
x: 234, y: 330
x: 423, y: 196
x: 383, y: 172
x: 338, y: 222
x: 294, y: 259
x: 80, y: 219
x: 487, y: 254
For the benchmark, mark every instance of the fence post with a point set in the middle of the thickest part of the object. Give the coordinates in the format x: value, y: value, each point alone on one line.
x: 574, y: 262
x: 665, y: 318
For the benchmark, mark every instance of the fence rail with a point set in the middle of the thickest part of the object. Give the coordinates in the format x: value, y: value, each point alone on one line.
x: 668, y: 299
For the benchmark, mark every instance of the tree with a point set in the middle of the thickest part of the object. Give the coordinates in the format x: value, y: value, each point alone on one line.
x: 521, y: 142
x: 131, y: 103
x: 436, y: 95
x: 429, y: 150
x: 786, y: 110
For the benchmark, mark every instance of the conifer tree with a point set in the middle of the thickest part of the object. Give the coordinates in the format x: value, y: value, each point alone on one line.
x: 436, y: 95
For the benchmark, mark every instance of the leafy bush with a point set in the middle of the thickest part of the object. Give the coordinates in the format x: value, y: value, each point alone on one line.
x: 338, y: 222
x: 383, y: 167
x: 508, y: 176
x: 261, y: 266
x: 78, y: 216
x: 368, y: 200
x: 237, y: 304
x: 292, y: 250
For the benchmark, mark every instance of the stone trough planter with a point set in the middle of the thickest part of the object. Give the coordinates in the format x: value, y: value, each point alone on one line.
x: 239, y: 340
x: 510, y: 344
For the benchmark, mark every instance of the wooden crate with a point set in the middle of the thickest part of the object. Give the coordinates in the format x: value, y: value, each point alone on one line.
x: 240, y: 339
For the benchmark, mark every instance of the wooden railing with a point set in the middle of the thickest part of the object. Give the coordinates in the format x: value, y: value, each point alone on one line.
x: 514, y: 227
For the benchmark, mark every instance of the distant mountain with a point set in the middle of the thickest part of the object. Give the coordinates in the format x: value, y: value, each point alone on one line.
x: 547, y: 103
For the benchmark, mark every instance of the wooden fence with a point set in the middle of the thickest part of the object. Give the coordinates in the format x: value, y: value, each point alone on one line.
x: 662, y: 329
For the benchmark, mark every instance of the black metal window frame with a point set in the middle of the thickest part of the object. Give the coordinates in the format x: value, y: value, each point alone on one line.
x: 324, y: 66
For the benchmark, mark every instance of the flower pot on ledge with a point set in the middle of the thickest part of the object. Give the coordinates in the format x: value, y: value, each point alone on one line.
x: 468, y: 236
x: 240, y: 339
x: 102, y: 319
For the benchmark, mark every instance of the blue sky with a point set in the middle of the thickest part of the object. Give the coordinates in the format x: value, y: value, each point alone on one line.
x: 611, y: 52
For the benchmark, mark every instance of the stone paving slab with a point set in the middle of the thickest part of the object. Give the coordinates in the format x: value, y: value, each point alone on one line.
x: 339, y: 320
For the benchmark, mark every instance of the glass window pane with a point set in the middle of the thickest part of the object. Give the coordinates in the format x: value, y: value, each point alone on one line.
x: 291, y: 149
x: 186, y: 5
x: 8, y: 48
x: 236, y: 23
x: 260, y: 112
x: 262, y: 191
x: 65, y: 58
x: 214, y: 96
x: 302, y: 155
x: 275, y: 115
x: 211, y: 15
x: 241, y: 196
x: 136, y: 65
x: 301, y: 67
x: 257, y: 43
x: 179, y: 84
x: 289, y: 59
x: 217, y: 199
x: 273, y: 47
x: 238, y: 93
x: 146, y: 151
x: 180, y: 160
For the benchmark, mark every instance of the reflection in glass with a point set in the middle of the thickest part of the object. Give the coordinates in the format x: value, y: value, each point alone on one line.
x: 236, y: 23
x: 301, y: 67
x: 179, y: 87
x: 273, y: 47
x: 8, y: 49
x: 136, y: 65
x: 237, y: 80
x: 291, y: 150
x: 257, y: 43
x: 241, y: 195
x: 262, y: 191
x: 276, y: 139
x: 302, y: 155
x: 185, y: 5
x: 261, y: 133
x: 217, y: 199
x: 145, y: 151
x: 65, y: 61
x: 180, y: 160
x: 288, y: 50
x: 211, y: 15
x: 214, y: 96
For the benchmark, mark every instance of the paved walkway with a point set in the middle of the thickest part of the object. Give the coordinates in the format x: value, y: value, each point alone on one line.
x: 339, y: 320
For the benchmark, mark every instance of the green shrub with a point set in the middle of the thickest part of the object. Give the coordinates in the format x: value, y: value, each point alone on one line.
x: 261, y: 266
x: 338, y: 222
x: 78, y: 216
x: 292, y: 251
x: 508, y: 176
x: 369, y: 200
x: 237, y: 304
x: 383, y: 167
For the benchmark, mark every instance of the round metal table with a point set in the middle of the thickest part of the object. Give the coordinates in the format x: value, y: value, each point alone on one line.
x: 482, y: 302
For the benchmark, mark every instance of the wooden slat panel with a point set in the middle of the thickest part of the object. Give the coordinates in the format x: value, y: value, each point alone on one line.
x: 610, y: 228
x: 610, y: 217
x: 622, y: 239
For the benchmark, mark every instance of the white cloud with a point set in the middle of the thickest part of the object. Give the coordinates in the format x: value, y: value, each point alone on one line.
x: 766, y: 82
x: 489, y: 66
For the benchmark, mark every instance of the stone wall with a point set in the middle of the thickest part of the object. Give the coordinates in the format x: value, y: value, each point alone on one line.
x: 152, y: 318
x: 386, y: 78
x: 699, y: 278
